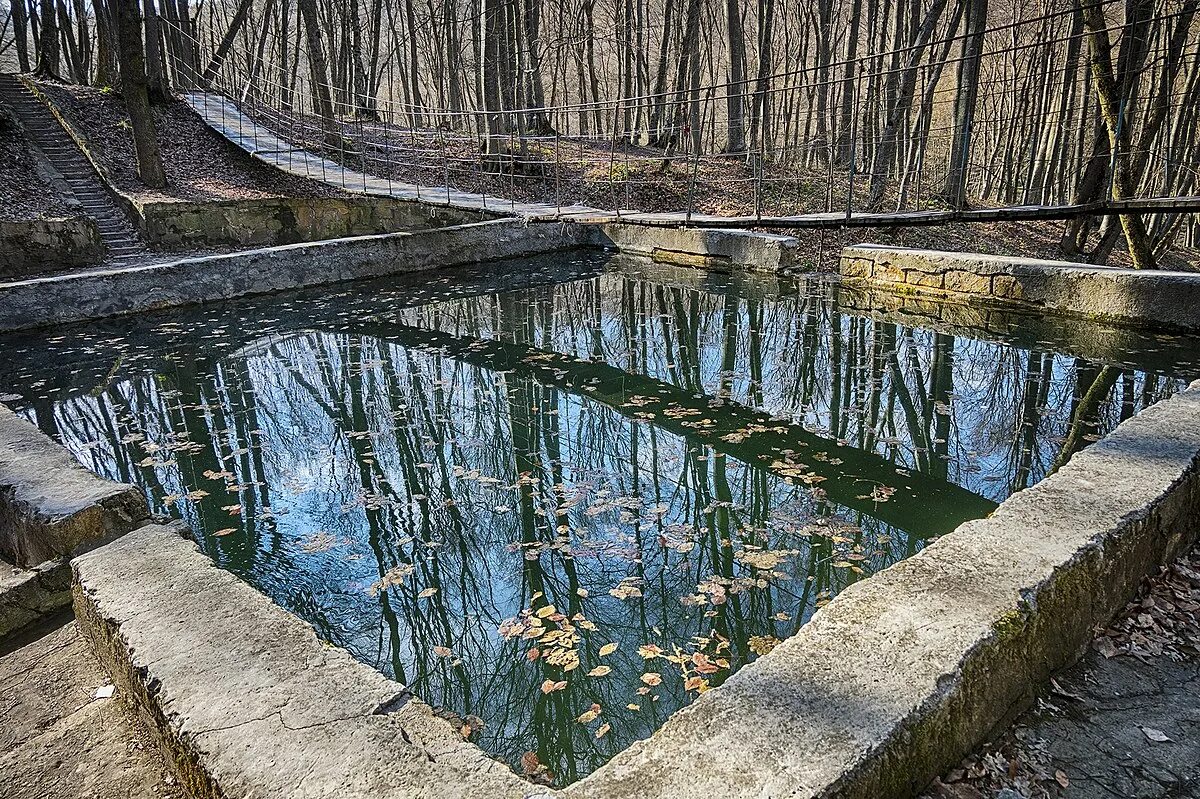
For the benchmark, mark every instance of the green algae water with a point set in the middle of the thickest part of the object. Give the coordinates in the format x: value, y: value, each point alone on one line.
x: 560, y: 498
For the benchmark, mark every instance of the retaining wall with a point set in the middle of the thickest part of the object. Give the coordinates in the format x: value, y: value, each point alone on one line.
x: 286, y: 220
x: 1145, y: 298
x: 114, y: 292
x: 33, y: 246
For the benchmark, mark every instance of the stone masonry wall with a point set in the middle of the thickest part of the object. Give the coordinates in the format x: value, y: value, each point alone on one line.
x: 1150, y: 298
x: 29, y: 247
x: 285, y: 220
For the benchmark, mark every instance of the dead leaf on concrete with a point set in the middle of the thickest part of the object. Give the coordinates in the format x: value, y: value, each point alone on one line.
x: 1158, y: 736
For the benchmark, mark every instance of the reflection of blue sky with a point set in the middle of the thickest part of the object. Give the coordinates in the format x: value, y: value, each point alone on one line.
x: 774, y: 341
x: 640, y: 505
x: 350, y: 456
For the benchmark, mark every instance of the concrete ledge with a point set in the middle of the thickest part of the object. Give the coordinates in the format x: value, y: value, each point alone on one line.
x: 247, y: 701
x: 886, y: 686
x: 1149, y: 298
x: 701, y: 247
x: 50, y: 506
x: 28, y: 596
x: 113, y: 292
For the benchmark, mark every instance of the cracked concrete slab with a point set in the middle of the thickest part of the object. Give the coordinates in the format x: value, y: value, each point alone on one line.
x: 27, y: 595
x: 246, y: 698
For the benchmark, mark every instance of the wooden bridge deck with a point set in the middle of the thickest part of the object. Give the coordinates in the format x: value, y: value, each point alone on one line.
x: 223, y: 115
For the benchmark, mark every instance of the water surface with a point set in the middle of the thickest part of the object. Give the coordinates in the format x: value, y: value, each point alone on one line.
x: 560, y: 498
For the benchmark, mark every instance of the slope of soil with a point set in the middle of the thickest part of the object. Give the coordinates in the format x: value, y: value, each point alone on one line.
x: 200, y: 164
x: 24, y: 194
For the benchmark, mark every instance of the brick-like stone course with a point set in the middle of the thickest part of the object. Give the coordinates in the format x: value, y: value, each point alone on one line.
x: 1144, y: 298
x: 33, y: 246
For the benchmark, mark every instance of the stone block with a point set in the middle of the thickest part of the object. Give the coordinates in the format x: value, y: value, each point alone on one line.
x: 50, y: 506
x: 967, y: 282
x: 924, y: 279
x: 855, y: 267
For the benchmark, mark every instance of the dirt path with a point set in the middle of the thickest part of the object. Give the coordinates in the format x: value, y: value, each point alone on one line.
x: 60, y: 736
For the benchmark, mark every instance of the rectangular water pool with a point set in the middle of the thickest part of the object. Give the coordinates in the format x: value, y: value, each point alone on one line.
x: 559, y: 498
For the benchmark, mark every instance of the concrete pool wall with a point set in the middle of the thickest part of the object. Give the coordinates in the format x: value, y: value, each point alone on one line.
x: 889, y: 684
x: 1139, y: 297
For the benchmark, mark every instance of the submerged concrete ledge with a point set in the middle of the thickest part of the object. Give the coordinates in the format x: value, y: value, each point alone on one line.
x: 886, y: 686
x: 113, y: 292
x: 1145, y: 298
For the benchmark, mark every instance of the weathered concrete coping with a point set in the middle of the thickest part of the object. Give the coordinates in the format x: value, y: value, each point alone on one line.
x: 247, y: 700
x: 887, y: 685
x: 706, y: 248
x: 1150, y: 298
x: 50, y: 509
x: 50, y: 506
x: 125, y: 290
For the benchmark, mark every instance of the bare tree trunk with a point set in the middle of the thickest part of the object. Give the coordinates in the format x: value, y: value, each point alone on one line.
x: 218, y: 58
x: 20, y: 20
x: 414, y: 63
x: 490, y: 69
x: 137, y: 102
x: 902, y: 92
x: 760, y: 130
x: 156, y: 73
x: 736, y: 93
x: 48, y: 44
x: 318, y: 73
x: 846, y: 145
x: 955, y: 190
x: 1118, y: 132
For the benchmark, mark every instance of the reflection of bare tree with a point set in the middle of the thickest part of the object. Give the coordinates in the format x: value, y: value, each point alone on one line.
x: 689, y: 470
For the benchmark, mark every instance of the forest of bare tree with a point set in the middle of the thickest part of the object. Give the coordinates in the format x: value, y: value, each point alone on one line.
x: 725, y: 107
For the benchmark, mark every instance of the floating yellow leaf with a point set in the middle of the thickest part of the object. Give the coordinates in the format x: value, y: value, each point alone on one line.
x: 588, y: 716
x: 550, y: 685
x: 600, y: 671
x: 652, y: 678
x: 632, y: 706
x: 603, y: 730
x: 442, y: 651
x: 426, y: 593
x: 549, y: 610
x: 608, y: 649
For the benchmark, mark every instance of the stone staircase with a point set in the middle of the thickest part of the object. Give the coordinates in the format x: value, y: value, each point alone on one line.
x: 45, y: 132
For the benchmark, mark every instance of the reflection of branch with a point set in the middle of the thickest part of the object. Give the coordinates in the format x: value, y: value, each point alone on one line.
x: 1086, y: 412
x: 921, y: 504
